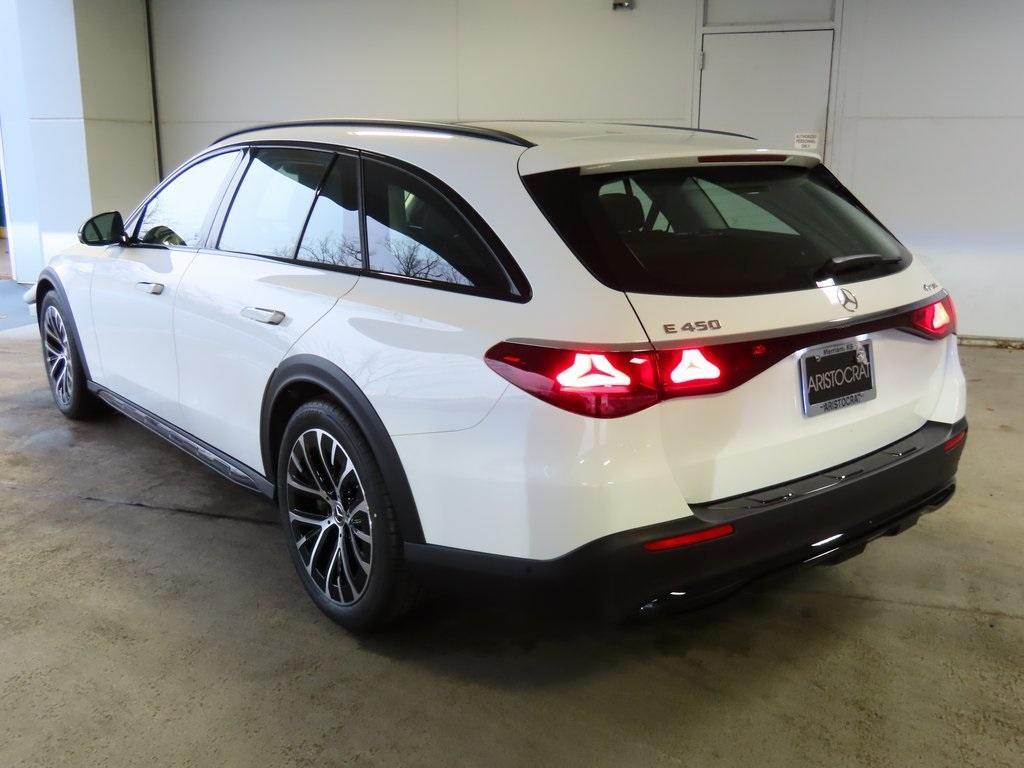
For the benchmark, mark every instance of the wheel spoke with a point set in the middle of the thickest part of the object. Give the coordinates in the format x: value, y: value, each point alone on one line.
x: 364, y: 564
x: 297, y: 516
x: 309, y: 465
x: 362, y: 535
x: 359, y: 507
x: 347, y: 569
x: 331, y: 568
x: 327, y: 465
x: 316, y: 549
x: 305, y: 488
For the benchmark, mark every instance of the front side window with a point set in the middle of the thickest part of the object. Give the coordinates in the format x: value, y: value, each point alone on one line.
x: 272, y: 202
x: 177, y: 214
x: 412, y: 230
x: 332, y: 233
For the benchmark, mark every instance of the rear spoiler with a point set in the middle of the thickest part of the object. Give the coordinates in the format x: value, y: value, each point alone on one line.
x: 727, y: 157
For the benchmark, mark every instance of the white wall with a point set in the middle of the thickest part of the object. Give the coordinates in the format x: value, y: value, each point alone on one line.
x: 75, y: 119
x: 113, y: 57
x: 250, y: 61
x: 42, y: 130
x: 929, y: 125
x: 927, y: 109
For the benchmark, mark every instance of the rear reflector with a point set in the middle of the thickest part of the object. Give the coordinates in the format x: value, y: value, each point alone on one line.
x: 686, y: 539
x: 954, y: 441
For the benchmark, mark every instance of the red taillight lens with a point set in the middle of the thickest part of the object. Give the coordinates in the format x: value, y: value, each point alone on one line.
x: 597, y: 383
x: 607, y: 384
x: 694, y: 366
x: 937, y: 320
x: 686, y: 539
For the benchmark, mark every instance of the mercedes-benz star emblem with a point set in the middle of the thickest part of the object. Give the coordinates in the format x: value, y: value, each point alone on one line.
x: 848, y: 300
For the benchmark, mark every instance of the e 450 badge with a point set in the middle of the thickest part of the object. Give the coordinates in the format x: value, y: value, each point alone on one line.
x: 693, y: 327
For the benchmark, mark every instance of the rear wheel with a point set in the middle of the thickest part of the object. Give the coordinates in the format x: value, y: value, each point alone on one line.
x: 62, y: 358
x: 339, y: 519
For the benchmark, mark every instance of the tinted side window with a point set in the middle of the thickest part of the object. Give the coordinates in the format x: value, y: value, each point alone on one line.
x: 272, y: 202
x: 332, y: 233
x: 413, y: 230
x: 177, y: 214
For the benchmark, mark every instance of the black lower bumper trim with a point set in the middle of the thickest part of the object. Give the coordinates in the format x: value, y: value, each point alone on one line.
x: 825, y: 518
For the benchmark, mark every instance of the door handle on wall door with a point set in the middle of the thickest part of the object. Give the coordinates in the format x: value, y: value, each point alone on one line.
x: 260, y: 315
x: 155, y: 288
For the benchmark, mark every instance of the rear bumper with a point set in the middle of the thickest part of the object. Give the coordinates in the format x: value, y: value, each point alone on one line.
x: 824, y: 518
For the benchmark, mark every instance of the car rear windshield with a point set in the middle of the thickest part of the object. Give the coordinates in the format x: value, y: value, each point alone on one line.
x: 717, y: 231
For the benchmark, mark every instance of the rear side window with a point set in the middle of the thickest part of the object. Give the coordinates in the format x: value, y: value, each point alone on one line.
x: 177, y: 215
x: 332, y: 234
x: 723, y: 231
x: 273, y: 201
x: 414, y: 231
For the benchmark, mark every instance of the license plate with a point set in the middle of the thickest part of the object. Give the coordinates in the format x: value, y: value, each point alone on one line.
x: 837, y: 375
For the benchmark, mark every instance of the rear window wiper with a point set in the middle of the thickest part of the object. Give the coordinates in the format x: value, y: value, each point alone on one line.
x: 839, y: 264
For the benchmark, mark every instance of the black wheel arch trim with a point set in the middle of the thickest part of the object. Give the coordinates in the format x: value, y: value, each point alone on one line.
x: 49, y: 275
x: 310, y: 369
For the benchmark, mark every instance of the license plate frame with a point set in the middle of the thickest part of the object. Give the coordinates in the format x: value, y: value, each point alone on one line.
x: 814, y: 362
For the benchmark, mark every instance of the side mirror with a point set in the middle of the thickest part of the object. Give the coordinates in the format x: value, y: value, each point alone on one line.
x: 102, y: 229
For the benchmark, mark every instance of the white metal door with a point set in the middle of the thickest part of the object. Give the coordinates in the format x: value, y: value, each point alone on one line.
x: 235, y: 319
x: 770, y: 85
x: 133, y: 293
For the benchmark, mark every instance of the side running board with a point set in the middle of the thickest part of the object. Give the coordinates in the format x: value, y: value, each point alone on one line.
x: 216, y: 460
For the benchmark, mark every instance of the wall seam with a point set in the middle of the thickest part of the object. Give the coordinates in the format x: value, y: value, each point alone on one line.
x: 152, y: 90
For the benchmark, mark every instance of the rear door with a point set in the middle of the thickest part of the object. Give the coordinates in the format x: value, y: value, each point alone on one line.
x: 134, y: 288
x: 277, y: 264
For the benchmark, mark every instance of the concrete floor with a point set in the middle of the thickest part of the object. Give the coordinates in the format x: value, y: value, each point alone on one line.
x: 149, y: 615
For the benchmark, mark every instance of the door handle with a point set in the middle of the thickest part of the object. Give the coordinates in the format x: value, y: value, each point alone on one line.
x: 155, y: 288
x: 260, y: 315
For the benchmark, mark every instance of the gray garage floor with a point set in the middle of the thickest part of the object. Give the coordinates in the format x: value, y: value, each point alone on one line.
x: 13, y: 310
x: 149, y: 616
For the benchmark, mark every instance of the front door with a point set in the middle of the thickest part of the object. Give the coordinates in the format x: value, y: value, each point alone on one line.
x: 770, y: 85
x: 277, y: 268
x: 134, y: 287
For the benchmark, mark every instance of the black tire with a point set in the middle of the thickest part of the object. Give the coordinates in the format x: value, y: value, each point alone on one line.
x: 336, y: 520
x: 62, y: 360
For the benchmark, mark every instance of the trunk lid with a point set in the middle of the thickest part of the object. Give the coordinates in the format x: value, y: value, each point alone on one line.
x: 721, y: 249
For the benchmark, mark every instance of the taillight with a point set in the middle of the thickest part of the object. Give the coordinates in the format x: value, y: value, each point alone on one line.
x: 936, y: 320
x: 607, y: 384
x: 597, y: 383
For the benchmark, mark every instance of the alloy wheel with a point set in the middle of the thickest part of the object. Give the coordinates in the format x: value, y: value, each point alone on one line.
x: 330, y: 519
x: 58, y: 356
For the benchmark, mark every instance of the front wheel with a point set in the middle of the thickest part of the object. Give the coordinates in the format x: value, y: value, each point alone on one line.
x: 63, y: 360
x: 339, y: 520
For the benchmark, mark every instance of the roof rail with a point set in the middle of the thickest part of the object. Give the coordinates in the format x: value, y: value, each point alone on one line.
x: 684, y: 128
x: 622, y: 122
x: 453, y: 128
